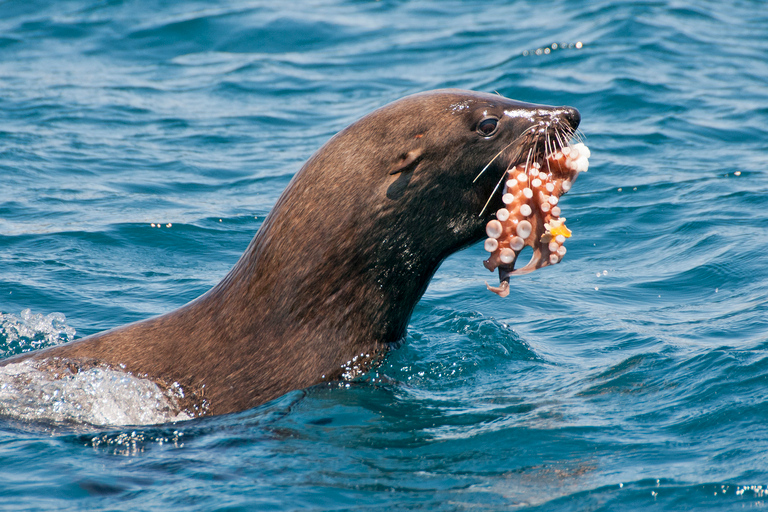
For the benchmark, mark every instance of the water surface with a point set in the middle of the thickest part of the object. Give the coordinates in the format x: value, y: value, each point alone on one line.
x: 631, y: 376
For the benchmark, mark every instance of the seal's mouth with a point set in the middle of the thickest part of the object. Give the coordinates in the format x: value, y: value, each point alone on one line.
x: 531, y: 215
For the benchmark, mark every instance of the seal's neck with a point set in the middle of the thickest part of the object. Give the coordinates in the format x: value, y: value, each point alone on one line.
x: 320, y: 290
x: 336, y: 293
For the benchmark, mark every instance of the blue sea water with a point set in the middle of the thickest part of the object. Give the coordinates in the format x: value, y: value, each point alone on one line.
x: 633, y: 376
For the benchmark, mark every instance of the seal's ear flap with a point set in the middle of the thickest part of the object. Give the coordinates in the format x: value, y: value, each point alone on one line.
x: 407, y: 162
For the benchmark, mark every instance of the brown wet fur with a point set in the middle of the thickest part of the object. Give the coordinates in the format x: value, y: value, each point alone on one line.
x: 338, y: 265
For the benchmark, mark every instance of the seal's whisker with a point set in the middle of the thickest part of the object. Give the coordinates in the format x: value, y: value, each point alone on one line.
x: 489, y: 163
x: 577, y: 135
x: 561, y: 139
x: 500, y: 153
x: 503, y: 176
x: 549, y: 169
x: 565, y: 137
x: 528, y: 158
x: 549, y: 147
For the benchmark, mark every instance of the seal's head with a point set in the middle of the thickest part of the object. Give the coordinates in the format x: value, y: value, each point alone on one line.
x: 393, y: 194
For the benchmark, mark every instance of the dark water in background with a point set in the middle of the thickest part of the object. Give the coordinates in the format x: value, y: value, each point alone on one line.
x: 632, y: 376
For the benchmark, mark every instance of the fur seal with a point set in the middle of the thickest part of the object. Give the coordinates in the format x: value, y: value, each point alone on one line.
x: 330, y: 280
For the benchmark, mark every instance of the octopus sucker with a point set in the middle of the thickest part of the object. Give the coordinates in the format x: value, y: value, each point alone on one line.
x: 531, y: 213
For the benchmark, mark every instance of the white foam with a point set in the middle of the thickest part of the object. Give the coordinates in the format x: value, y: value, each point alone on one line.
x: 31, y: 331
x: 32, y: 392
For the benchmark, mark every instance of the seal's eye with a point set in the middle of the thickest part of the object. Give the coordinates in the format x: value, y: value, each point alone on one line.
x: 487, y: 126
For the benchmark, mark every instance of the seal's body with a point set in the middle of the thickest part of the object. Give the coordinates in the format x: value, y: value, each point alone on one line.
x: 342, y: 259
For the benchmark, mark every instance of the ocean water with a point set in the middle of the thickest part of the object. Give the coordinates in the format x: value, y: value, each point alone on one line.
x: 632, y: 376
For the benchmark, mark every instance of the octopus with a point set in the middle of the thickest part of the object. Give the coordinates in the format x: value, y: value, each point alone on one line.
x: 531, y: 215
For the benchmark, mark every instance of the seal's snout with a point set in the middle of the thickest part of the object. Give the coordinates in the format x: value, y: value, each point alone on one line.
x: 572, y: 115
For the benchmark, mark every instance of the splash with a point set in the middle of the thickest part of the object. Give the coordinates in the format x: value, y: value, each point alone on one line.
x: 36, y: 391
x: 31, y: 331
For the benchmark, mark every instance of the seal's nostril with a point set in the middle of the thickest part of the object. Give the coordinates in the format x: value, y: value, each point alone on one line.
x: 573, y: 116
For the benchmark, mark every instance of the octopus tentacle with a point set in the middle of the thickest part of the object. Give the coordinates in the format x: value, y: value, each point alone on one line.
x: 531, y: 213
